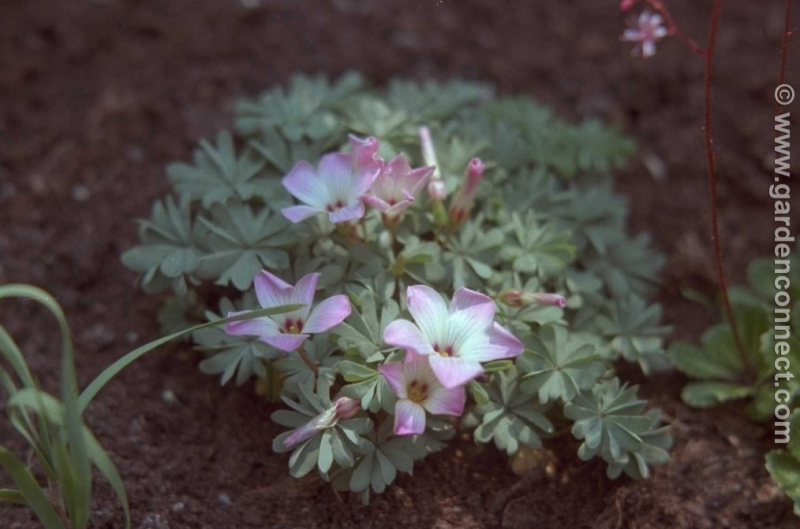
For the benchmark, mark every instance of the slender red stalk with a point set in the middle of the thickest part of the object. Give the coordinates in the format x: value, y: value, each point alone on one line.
x: 708, y: 56
x: 784, y: 48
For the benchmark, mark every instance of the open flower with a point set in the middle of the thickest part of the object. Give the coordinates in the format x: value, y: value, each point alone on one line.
x: 645, y: 31
x: 288, y: 331
x: 457, y: 339
x: 334, y: 188
x: 396, y: 186
x: 417, y: 390
x: 343, y: 408
x: 465, y: 197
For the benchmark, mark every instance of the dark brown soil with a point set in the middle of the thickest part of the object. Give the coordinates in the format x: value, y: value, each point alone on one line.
x: 97, y: 96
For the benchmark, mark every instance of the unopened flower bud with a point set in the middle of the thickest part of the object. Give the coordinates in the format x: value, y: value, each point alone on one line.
x: 343, y: 408
x: 556, y: 300
x: 626, y: 5
x: 465, y: 198
x: 346, y: 407
x: 516, y: 298
x: 437, y: 190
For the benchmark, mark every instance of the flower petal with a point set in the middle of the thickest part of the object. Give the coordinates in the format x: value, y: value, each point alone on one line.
x: 302, y: 182
x: 505, y: 344
x: 271, y: 290
x: 475, y: 308
x: 429, y: 311
x: 304, y: 291
x: 395, y: 376
x: 375, y: 202
x: 336, y: 170
x: 285, y: 342
x: 350, y: 212
x: 409, y: 418
x: 300, y: 213
x: 406, y: 335
x: 328, y: 314
x: 443, y: 401
x: 254, y: 327
x: 453, y: 372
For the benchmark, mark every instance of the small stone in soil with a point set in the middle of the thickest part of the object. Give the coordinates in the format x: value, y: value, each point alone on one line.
x: 81, y: 193
x: 224, y: 499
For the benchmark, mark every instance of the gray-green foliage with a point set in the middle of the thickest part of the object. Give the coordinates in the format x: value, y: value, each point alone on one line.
x: 546, y: 219
x: 762, y: 374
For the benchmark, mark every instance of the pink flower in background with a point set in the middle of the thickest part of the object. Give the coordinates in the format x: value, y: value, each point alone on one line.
x: 465, y: 197
x: 645, y: 31
x: 418, y: 390
x: 456, y: 339
x: 626, y: 5
x: 343, y: 408
x: 335, y: 187
x: 365, y: 151
x: 396, y: 186
x: 288, y: 331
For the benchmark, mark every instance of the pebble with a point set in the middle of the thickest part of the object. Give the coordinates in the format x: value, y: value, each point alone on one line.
x: 131, y: 336
x: 169, y: 397
x: 224, y: 499
x: 81, y: 193
x: 178, y: 507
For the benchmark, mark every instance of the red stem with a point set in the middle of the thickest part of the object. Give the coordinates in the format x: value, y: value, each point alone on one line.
x: 712, y: 184
x: 784, y: 48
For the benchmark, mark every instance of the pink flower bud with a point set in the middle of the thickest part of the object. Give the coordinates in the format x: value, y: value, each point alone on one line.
x: 437, y: 190
x: 512, y: 298
x: 556, y: 300
x: 346, y: 407
x: 465, y: 198
x: 626, y: 5
x: 343, y: 408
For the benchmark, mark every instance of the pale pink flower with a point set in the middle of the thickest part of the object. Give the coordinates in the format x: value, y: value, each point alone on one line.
x: 465, y: 198
x: 456, y: 339
x: 645, y: 31
x: 343, y: 408
x: 365, y: 151
x: 396, y: 187
x: 418, y: 390
x: 336, y: 186
x: 288, y: 331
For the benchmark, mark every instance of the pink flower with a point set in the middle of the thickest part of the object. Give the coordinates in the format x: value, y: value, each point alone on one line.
x: 457, y: 339
x: 465, y: 197
x: 365, y: 151
x: 335, y: 187
x: 287, y: 332
x: 626, y: 5
x: 343, y: 408
x: 396, y: 186
x: 418, y: 390
x: 645, y: 31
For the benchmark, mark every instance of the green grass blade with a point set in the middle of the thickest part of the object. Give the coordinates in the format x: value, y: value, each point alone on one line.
x: 81, y: 495
x: 12, y: 496
x: 106, y: 467
x: 111, y: 371
x: 32, y: 493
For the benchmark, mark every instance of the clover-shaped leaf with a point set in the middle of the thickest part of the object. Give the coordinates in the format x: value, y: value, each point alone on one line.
x: 362, y: 331
x: 558, y: 366
x: 610, y: 422
x: 168, y: 255
x: 242, y: 242
x: 537, y: 249
x: 632, y: 327
x: 217, y: 173
x: 511, y: 418
x: 473, y: 254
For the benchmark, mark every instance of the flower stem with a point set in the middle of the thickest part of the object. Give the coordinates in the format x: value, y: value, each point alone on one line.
x: 312, y: 365
x: 708, y: 56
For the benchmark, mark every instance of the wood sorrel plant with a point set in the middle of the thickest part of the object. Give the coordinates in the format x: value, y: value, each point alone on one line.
x: 455, y: 256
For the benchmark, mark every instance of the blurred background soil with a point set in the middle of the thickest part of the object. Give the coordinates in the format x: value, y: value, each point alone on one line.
x: 97, y: 96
